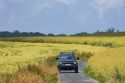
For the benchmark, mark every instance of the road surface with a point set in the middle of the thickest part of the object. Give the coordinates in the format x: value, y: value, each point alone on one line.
x: 71, y: 77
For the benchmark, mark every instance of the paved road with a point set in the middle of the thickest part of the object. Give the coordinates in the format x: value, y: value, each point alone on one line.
x: 71, y: 77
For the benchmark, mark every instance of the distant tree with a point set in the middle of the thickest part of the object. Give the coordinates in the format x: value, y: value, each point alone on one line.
x: 61, y: 35
x: 81, y: 34
x: 24, y: 34
x: 50, y: 34
x: 97, y: 32
x: 37, y: 34
x: 43, y: 34
x: 31, y: 33
x: 5, y: 34
x: 16, y: 33
x: 117, y: 31
x: 111, y: 30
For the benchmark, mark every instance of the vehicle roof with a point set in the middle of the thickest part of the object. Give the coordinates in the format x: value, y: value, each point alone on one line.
x: 67, y: 54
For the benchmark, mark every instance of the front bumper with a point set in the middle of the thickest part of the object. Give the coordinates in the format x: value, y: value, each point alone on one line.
x: 67, y: 67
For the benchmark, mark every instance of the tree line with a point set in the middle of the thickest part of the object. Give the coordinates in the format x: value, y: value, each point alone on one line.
x: 25, y: 34
x: 108, y: 32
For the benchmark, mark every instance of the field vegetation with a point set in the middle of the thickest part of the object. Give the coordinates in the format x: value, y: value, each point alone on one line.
x: 108, y: 66
x: 33, y: 55
x: 21, y: 61
x: 86, y: 40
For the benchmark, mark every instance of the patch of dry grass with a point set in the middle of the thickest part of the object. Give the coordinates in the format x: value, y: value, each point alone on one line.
x: 28, y: 77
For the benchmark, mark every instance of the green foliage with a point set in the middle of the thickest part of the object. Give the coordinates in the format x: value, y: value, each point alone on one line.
x: 89, y: 72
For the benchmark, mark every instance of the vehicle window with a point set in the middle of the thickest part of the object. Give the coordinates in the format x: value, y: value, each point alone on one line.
x: 70, y: 57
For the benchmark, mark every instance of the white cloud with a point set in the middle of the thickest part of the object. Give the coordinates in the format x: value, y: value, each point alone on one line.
x: 67, y: 2
x: 102, y: 6
x: 30, y: 8
x: 36, y: 6
x: 39, y: 6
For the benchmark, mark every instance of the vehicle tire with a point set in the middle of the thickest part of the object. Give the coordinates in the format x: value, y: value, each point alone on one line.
x: 59, y: 70
x: 76, y: 70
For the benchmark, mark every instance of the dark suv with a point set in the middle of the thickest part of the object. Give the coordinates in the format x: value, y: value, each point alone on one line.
x: 67, y: 61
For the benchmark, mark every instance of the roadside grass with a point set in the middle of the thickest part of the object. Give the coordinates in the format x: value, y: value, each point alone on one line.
x: 90, y: 73
x: 108, y: 66
x: 84, y: 55
x: 29, y: 62
x: 33, y: 74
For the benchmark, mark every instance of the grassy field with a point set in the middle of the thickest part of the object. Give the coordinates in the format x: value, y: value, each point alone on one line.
x: 18, y: 53
x: 20, y: 61
x: 107, y: 65
x: 90, y: 40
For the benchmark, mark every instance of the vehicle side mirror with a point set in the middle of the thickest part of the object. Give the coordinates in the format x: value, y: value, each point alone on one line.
x: 77, y: 58
x: 56, y: 58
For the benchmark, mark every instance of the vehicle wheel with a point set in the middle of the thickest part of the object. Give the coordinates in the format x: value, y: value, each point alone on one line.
x: 76, y: 70
x: 59, y: 70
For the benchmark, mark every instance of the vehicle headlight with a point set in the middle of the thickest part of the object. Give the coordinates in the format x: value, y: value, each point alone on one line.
x: 60, y: 62
x: 74, y: 62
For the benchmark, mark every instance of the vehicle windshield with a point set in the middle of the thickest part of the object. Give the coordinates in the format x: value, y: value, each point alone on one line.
x: 67, y: 57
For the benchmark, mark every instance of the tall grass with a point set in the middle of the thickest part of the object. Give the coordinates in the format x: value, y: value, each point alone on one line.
x: 33, y: 74
x: 108, y: 66
x: 90, y: 40
x: 19, y: 61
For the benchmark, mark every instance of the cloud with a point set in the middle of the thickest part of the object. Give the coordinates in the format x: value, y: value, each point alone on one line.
x: 28, y: 8
x: 102, y: 6
x: 39, y: 7
x: 35, y: 7
x: 67, y: 2
x: 46, y: 4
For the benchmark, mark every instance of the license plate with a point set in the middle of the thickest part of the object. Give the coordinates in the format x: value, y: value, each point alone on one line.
x: 67, y: 64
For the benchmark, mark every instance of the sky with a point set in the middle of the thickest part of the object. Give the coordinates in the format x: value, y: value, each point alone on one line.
x: 61, y: 16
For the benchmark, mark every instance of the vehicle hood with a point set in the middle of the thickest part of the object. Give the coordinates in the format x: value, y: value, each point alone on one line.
x: 67, y: 60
